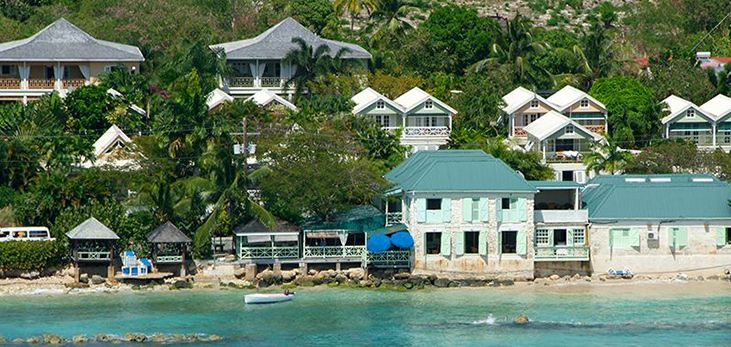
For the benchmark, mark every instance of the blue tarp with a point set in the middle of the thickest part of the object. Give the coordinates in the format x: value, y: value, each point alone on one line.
x: 145, y: 262
x: 378, y: 243
x: 402, y: 239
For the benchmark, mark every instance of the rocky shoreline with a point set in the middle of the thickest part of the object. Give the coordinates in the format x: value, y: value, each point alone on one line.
x: 53, y: 339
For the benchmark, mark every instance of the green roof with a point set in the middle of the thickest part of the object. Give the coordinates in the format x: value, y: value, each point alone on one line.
x: 457, y: 171
x: 555, y: 184
x: 657, y: 197
x: 362, y: 218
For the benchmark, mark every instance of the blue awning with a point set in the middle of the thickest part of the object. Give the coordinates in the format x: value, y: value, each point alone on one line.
x: 378, y: 243
x: 402, y: 239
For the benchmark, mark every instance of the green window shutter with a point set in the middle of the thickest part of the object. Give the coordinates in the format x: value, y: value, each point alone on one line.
x: 681, y: 237
x: 467, y: 210
x: 446, y: 210
x: 569, y: 237
x: 499, y: 209
x: 720, y: 237
x: 484, y: 209
x: 424, y: 246
x: 522, y: 209
x: 459, y: 242
x: 499, y: 242
x: 421, y: 210
x: 482, y: 243
x: 550, y: 237
x: 446, y: 248
x: 634, y: 238
x: 522, y: 243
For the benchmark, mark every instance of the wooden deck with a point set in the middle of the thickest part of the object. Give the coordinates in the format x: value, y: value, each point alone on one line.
x: 149, y: 276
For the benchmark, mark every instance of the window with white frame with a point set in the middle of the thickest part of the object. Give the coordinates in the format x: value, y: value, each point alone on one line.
x: 380, y: 104
x: 534, y: 117
x: 542, y: 236
x: 727, y: 139
x: 570, y: 129
x: 475, y: 209
x: 535, y: 103
x: 584, y: 103
x: 383, y: 120
x: 690, y: 113
x: 6, y: 70
x: 429, y: 104
x: 579, y: 236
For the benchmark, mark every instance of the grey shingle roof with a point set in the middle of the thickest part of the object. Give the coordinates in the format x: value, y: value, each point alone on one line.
x: 276, y: 42
x: 92, y: 229
x: 254, y: 226
x: 167, y: 233
x: 63, y: 41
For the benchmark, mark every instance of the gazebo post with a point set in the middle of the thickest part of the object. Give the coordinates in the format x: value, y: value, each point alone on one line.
x: 154, y: 256
x: 110, y: 269
x: 74, y: 247
x: 182, y: 264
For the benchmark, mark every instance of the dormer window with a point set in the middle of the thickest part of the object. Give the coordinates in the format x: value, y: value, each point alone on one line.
x: 535, y: 103
x: 690, y: 113
x: 570, y: 129
x: 584, y: 103
x: 380, y: 104
x: 429, y: 104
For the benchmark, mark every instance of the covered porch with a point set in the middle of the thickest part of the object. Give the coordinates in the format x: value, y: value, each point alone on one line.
x: 560, y: 139
x: 700, y: 133
x: 259, y: 74
x: 44, y: 76
x: 255, y: 242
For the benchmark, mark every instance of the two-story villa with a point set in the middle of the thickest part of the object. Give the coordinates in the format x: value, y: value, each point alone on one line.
x: 257, y: 63
x: 523, y: 107
x: 468, y: 212
x: 59, y: 58
x: 689, y: 122
x: 720, y: 108
x: 425, y: 121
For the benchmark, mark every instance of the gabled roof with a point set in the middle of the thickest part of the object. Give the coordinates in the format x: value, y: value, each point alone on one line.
x: 217, y: 97
x: 264, y: 97
x: 672, y: 197
x: 63, y: 41
x: 551, y: 122
x: 456, y: 171
x: 367, y: 97
x: 568, y: 96
x: 519, y: 97
x: 92, y: 229
x: 415, y: 97
x: 110, y: 138
x: 718, y: 107
x: 167, y: 233
x: 276, y: 42
x: 678, y: 105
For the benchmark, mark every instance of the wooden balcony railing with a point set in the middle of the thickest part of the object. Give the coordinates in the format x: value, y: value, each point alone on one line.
x: 268, y: 252
x: 394, y: 218
x: 74, y: 83
x: 271, y: 82
x: 241, y: 82
x: 518, y: 131
x: 169, y: 259
x: 426, y: 131
x: 397, y: 258
x: 335, y: 251
x: 10, y: 83
x: 565, y: 156
x: 41, y: 84
x: 561, y: 253
x: 598, y: 129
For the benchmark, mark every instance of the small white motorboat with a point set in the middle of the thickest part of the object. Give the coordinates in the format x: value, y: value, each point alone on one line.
x: 268, y: 298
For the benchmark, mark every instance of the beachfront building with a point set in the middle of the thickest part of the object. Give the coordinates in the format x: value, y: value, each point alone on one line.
x: 168, y: 246
x: 688, y: 122
x: 257, y: 243
x: 659, y: 224
x: 257, y: 62
x: 92, y: 248
x: 468, y: 212
x: 59, y: 58
x: 523, y: 107
x: 425, y: 122
x: 563, y: 144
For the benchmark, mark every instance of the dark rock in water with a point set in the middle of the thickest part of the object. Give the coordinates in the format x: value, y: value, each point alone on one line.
x: 34, y: 339
x: 408, y: 285
x: 454, y: 284
x: 328, y: 280
x: 442, y: 282
x: 80, y: 339
x: 96, y: 279
x: 181, y: 285
x: 106, y: 338
x: 135, y: 337
x: 507, y: 282
x: 521, y: 319
x: 158, y: 338
x: 432, y: 278
x: 52, y: 339
x: 340, y: 278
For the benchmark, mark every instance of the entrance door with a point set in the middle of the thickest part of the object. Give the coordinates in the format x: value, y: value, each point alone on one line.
x: 559, y: 237
x: 567, y: 176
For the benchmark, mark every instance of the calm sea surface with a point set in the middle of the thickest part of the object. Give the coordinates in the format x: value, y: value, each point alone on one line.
x: 660, y: 315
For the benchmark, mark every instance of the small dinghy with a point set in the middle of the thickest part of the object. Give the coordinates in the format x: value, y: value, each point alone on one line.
x: 268, y: 298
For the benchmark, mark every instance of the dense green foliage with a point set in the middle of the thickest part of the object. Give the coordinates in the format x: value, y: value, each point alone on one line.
x: 30, y: 255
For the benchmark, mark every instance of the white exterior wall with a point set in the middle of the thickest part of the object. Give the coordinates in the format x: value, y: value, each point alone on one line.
x: 656, y: 257
x: 471, y: 265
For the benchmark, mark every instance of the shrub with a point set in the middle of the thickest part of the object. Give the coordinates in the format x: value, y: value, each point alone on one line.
x: 202, y: 246
x: 30, y: 255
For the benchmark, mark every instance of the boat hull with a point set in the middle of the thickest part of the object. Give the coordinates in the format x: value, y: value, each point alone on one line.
x: 267, y: 298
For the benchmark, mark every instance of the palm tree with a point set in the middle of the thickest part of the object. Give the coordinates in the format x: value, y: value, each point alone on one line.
x: 354, y: 8
x: 312, y: 62
x: 389, y: 19
x: 515, y: 45
x: 607, y: 156
x: 596, y: 57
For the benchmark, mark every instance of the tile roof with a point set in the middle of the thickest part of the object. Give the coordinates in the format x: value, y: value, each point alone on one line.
x: 167, y: 233
x: 63, y: 41
x: 276, y: 42
x: 457, y: 171
x: 416, y: 96
x: 568, y: 96
x: 657, y: 197
x: 91, y: 229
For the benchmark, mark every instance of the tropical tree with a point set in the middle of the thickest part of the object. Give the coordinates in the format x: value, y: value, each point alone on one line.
x: 312, y: 62
x: 354, y: 8
x: 597, y: 55
x: 607, y: 156
x: 389, y: 20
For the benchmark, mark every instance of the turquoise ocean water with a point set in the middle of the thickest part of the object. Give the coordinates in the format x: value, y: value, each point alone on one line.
x: 346, y: 317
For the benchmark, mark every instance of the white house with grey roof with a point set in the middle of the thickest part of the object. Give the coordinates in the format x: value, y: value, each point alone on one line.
x: 425, y: 121
x: 59, y: 58
x: 257, y: 62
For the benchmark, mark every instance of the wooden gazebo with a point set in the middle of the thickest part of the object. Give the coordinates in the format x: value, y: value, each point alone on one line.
x: 92, y: 242
x: 168, y: 246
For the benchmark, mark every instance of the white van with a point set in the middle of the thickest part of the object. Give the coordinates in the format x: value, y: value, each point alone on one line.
x: 25, y: 234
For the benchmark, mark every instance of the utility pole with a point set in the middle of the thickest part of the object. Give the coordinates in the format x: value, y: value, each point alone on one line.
x: 245, y: 149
